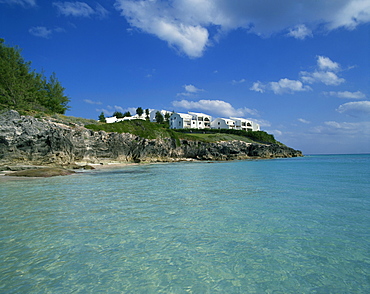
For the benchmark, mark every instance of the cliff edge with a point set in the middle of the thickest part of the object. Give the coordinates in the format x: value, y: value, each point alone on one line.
x: 28, y: 140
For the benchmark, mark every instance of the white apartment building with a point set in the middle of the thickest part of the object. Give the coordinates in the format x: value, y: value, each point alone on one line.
x: 223, y: 123
x: 190, y: 120
x: 181, y: 121
x: 202, y: 121
x: 245, y: 124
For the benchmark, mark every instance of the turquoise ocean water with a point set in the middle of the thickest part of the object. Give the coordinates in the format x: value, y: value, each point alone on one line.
x: 299, y: 225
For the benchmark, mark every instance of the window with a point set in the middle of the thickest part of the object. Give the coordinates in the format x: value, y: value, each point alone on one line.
x: 218, y: 123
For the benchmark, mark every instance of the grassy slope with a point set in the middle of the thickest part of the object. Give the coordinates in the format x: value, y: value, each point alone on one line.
x: 149, y: 130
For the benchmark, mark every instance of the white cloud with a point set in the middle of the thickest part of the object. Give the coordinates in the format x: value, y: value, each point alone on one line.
x: 281, y: 87
x: 336, y: 128
x: 324, y: 63
x: 92, y: 102
x: 326, y: 73
x: 258, y: 87
x: 216, y: 107
x: 347, y: 94
x: 304, y: 121
x: 190, y: 90
x: 288, y: 86
x: 111, y: 109
x: 300, y: 32
x: 100, y: 11
x: 235, y: 82
x: 185, y: 24
x: 326, y: 77
x: 355, y: 108
x: 42, y: 32
x: 24, y: 3
x: 80, y: 9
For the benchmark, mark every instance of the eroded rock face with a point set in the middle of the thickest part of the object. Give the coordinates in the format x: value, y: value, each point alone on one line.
x: 25, y: 139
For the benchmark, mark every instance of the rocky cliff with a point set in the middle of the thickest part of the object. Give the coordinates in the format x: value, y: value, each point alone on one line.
x: 27, y: 140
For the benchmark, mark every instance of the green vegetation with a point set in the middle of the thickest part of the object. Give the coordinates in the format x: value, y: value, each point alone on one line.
x: 159, y: 117
x: 26, y: 91
x: 257, y: 136
x: 139, y: 111
x: 138, y: 127
x: 149, y: 130
x: 102, y: 117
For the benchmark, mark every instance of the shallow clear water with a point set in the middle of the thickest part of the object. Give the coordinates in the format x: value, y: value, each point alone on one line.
x: 298, y: 225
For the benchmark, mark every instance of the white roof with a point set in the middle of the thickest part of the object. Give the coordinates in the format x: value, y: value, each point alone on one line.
x: 198, y: 113
x: 184, y: 115
x: 238, y: 118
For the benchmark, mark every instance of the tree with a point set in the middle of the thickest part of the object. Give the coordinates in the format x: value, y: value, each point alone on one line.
x: 127, y: 113
x: 139, y: 111
x: 159, y: 117
x: 147, y: 113
x: 23, y: 89
x: 102, y: 117
x: 118, y: 114
x: 55, y: 99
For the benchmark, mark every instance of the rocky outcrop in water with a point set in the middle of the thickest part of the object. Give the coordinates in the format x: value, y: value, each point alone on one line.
x: 28, y: 140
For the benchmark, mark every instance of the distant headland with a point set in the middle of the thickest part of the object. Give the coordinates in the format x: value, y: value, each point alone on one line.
x: 62, y: 141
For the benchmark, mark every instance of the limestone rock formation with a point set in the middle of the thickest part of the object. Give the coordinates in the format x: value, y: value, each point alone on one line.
x: 28, y: 140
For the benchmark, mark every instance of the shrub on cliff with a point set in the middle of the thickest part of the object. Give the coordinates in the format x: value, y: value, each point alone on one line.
x: 22, y: 89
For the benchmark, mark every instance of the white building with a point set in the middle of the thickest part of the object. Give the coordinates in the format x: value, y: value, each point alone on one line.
x: 223, y: 123
x: 110, y: 120
x: 182, y: 121
x: 191, y: 120
x: 114, y: 119
x: 202, y: 121
x: 245, y: 124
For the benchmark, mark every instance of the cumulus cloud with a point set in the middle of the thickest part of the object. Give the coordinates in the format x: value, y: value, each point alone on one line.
x: 24, y: 3
x: 325, y: 63
x: 283, y: 86
x: 190, y: 90
x: 326, y: 77
x: 258, y: 87
x: 346, y: 94
x: 186, y: 25
x: 355, y: 108
x: 300, y: 32
x: 325, y: 73
x: 216, y: 107
x: 80, y: 9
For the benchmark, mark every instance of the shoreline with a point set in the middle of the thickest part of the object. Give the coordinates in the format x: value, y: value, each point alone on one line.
x: 85, y: 167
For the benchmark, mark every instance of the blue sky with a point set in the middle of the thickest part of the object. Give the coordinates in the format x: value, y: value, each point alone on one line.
x: 299, y: 68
